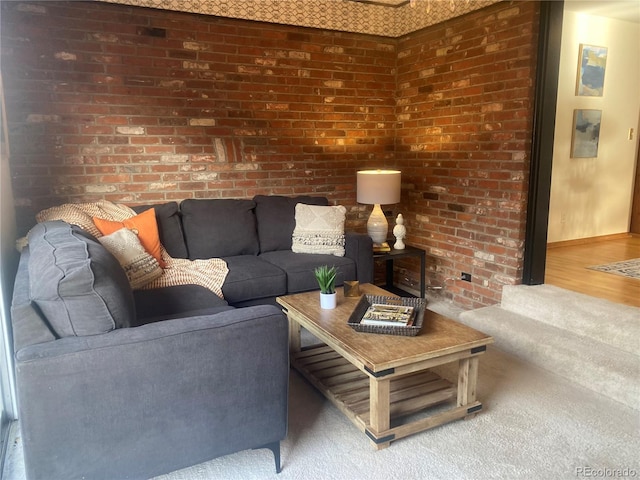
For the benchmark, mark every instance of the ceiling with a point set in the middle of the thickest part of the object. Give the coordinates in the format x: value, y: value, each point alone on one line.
x: 383, y: 3
x: 628, y: 10
x: 389, y: 18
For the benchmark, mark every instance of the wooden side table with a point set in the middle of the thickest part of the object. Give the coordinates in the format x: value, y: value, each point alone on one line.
x: 394, y: 254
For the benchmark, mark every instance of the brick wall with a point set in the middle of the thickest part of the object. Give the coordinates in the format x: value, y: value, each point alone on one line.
x: 465, y: 97
x: 139, y: 105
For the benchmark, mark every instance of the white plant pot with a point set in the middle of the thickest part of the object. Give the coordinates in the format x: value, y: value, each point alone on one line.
x: 328, y: 301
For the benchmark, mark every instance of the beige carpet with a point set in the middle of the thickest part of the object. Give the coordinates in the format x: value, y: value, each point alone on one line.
x: 589, y: 341
x: 535, y: 425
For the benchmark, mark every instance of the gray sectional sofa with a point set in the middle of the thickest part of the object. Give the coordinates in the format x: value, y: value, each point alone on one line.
x: 254, y: 238
x: 114, y: 383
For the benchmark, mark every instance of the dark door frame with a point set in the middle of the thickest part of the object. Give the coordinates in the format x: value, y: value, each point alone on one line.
x: 544, y: 119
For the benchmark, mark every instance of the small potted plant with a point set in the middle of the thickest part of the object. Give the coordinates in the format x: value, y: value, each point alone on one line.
x: 326, y: 277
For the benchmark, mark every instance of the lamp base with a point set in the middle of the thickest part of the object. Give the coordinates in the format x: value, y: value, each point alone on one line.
x: 377, y: 225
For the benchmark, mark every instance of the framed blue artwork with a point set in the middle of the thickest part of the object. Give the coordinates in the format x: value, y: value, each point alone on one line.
x: 592, y: 64
x: 586, y: 133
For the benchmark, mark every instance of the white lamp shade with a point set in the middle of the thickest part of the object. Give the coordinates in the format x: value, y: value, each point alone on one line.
x: 378, y: 187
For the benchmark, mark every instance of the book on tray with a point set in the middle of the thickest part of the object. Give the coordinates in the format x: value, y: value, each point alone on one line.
x: 381, y: 247
x: 389, y: 315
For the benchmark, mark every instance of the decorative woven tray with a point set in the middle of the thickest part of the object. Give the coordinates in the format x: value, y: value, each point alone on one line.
x: 367, y: 300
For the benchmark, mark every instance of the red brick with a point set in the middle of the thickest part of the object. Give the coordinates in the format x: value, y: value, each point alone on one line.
x: 297, y: 115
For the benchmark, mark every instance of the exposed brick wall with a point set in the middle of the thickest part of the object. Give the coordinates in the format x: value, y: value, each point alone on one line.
x: 465, y: 97
x: 139, y: 105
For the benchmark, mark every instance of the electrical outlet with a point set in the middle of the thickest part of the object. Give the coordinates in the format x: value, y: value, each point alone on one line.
x: 465, y: 276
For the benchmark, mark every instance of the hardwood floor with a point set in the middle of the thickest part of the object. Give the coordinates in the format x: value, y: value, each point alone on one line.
x: 565, y: 268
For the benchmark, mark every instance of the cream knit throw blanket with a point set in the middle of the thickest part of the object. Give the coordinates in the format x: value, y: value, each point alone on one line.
x: 209, y: 273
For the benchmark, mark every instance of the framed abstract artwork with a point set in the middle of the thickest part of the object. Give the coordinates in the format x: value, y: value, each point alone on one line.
x: 592, y: 63
x: 586, y: 133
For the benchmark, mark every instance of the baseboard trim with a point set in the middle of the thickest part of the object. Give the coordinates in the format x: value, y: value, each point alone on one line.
x: 583, y: 241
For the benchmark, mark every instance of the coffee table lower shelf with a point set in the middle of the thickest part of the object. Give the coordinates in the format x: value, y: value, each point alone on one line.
x: 348, y: 389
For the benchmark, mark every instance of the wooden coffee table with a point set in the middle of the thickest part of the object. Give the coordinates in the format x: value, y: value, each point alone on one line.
x: 378, y: 380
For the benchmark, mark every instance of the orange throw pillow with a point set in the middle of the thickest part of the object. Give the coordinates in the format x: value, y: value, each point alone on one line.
x: 143, y: 225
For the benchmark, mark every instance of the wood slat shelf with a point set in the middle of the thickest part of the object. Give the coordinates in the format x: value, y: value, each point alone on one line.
x: 348, y: 387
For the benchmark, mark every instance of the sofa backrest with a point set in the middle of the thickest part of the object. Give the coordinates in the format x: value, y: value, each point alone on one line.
x: 169, y: 227
x: 29, y: 327
x: 276, y: 219
x: 212, y: 228
x: 219, y: 227
x: 79, y: 286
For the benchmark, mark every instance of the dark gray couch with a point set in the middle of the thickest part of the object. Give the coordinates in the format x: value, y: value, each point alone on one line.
x: 103, y: 395
x: 119, y: 384
x: 254, y: 238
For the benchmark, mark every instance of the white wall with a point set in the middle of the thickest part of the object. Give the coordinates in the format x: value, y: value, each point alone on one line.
x: 591, y: 197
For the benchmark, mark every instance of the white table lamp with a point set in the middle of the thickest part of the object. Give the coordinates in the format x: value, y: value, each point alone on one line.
x: 378, y: 187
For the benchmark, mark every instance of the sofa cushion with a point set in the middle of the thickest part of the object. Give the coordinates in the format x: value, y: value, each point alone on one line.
x: 174, y: 300
x: 216, y: 228
x: 144, y: 225
x: 78, y: 285
x: 299, y: 268
x: 169, y: 227
x: 275, y: 216
x: 319, y: 230
x: 250, y: 278
x: 139, y: 265
x: 183, y: 316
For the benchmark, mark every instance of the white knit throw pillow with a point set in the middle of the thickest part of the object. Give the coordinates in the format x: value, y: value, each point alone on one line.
x: 140, y: 266
x: 319, y: 229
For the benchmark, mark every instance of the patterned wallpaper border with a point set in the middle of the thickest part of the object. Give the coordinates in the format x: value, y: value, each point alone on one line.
x: 343, y: 15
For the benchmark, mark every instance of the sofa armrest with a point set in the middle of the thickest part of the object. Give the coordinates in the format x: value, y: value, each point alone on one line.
x: 142, y: 401
x: 359, y: 248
